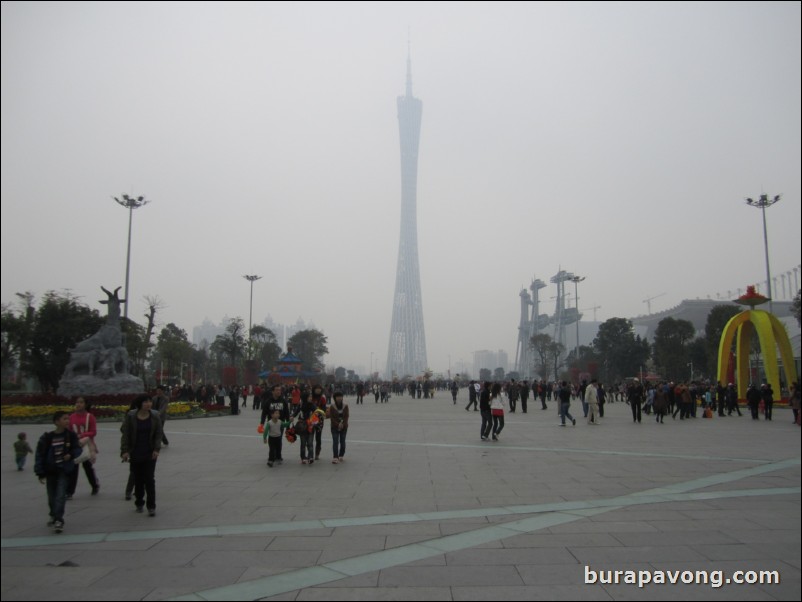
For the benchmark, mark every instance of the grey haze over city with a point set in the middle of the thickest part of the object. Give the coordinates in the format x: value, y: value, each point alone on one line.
x: 617, y: 141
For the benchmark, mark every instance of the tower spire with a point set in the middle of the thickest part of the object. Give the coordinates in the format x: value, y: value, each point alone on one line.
x: 406, y: 354
x: 409, y: 66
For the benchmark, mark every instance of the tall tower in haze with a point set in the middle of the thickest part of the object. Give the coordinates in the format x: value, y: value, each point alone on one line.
x: 407, y: 349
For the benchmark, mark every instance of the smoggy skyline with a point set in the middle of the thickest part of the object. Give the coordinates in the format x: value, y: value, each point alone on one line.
x: 615, y: 141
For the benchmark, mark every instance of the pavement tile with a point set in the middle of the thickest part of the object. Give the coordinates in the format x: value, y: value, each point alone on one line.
x: 243, y: 542
x: 675, y: 538
x: 734, y: 551
x: 623, y: 555
x: 366, y: 542
x: 516, y: 556
x: 561, y: 540
x: 376, y: 593
x: 531, y: 592
x: 277, y: 559
x: 428, y: 576
x: 77, y: 592
x: 409, y: 489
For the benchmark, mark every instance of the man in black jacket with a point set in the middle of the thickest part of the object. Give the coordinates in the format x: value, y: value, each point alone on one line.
x: 275, y: 401
x: 484, y: 409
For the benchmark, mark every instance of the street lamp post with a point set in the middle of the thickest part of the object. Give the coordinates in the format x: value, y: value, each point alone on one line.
x: 763, y: 202
x: 252, y: 279
x: 131, y: 203
x: 576, y: 280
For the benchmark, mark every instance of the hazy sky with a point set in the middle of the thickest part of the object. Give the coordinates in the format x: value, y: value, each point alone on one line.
x: 614, y: 140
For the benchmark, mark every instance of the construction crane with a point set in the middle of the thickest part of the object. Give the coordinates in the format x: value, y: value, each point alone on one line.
x: 648, y: 302
x: 593, y: 309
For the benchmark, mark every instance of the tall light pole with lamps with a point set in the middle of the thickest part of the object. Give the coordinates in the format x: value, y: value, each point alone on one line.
x: 576, y: 280
x: 131, y: 203
x: 252, y: 279
x: 762, y: 202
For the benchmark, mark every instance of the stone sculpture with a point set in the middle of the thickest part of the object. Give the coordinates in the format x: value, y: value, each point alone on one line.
x: 99, y: 365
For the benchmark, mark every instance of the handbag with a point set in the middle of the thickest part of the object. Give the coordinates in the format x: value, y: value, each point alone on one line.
x: 89, y: 449
x: 84, y: 457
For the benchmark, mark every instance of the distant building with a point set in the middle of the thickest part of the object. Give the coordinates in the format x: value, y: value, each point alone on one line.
x: 291, y: 330
x: 503, y: 360
x: 490, y: 360
x: 208, y: 331
x: 695, y: 311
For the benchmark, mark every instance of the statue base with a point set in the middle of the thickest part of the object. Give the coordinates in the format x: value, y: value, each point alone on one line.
x: 122, y: 384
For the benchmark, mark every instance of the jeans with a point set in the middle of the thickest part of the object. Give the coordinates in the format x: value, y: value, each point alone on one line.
x: 487, y: 423
x: 57, y: 483
x: 498, y: 424
x: 144, y: 472
x: 339, y: 442
x: 307, y: 440
x: 564, y: 412
x: 318, y: 432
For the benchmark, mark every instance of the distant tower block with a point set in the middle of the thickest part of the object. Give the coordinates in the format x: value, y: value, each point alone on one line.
x: 529, y: 326
x: 538, y: 321
x: 522, y: 352
x: 406, y: 355
x: 561, y: 314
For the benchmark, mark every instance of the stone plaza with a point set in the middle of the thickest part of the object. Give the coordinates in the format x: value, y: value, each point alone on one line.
x: 421, y: 509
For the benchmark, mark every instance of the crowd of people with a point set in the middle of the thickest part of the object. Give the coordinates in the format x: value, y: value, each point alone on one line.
x: 298, y: 412
x: 660, y: 399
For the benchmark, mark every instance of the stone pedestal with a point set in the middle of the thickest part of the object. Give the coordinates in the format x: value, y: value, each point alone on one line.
x: 93, y: 385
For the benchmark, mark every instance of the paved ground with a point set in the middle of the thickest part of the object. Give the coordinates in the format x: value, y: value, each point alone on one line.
x: 422, y: 509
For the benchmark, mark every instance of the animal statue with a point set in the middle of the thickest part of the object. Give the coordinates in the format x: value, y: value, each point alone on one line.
x: 109, y: 334
x: 81, y: 359
x: 112, y: 361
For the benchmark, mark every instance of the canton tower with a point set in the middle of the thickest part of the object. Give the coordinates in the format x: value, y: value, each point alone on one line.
x: 406, y: 355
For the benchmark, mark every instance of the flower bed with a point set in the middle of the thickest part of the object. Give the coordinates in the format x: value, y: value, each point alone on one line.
x: 39, y: 409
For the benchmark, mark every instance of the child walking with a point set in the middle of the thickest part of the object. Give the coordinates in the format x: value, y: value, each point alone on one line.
x: 273, y: 434
x: 55, y: 460
x: 21, y: 450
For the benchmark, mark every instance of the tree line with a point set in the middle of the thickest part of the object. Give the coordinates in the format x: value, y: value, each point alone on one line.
x: 676, y: 353
x: 35, y: 342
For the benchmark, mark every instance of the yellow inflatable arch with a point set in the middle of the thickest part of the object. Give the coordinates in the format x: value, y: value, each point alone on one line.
x: 771, y: 333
